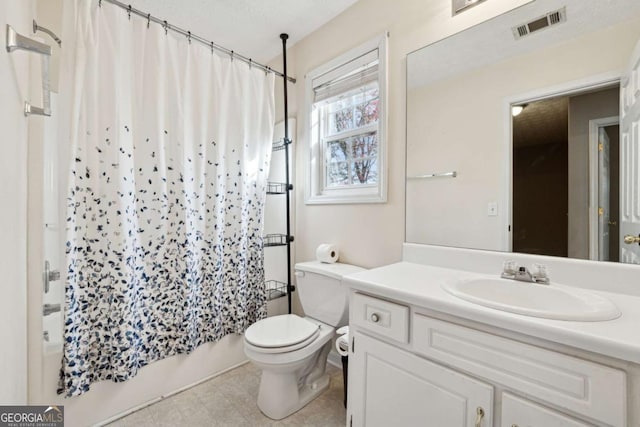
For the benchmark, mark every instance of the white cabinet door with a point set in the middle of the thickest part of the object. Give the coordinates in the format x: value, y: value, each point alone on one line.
x: 517, y: 412
x: 391, y: 387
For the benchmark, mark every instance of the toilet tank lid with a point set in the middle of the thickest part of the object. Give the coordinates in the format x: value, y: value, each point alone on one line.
x: 336, y: 270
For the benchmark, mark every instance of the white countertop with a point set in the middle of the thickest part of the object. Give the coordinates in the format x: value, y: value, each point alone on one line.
x: 420, y: 285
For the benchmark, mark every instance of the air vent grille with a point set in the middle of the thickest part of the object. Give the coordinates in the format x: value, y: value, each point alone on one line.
x: 522, y: 30
x: 555, y: 18
x: 545, y: 21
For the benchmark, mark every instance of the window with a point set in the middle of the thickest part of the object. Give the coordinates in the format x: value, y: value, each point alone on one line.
x: 346, y: 105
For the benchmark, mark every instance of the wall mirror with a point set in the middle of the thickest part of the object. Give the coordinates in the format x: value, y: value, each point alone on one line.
x: 512, y: 134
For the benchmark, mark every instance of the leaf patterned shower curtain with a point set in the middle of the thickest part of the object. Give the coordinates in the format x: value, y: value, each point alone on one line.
x: 170, y: 147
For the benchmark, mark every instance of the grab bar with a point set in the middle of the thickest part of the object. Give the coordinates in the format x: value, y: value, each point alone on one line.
x: 435, y: 175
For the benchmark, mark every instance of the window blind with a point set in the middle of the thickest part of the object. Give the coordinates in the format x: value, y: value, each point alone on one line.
x: 355, y: 73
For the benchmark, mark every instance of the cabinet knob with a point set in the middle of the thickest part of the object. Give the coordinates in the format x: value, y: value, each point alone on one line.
x: 374, y: 317
x: 479, y: 416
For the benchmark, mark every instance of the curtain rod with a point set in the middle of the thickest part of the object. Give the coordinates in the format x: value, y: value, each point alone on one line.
x: 190, y: 36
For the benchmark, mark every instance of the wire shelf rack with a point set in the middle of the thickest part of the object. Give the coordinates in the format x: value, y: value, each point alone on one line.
x: 276, y: 188
x: 280, y: 144
x: 275, y: 289
x: 276, y: 240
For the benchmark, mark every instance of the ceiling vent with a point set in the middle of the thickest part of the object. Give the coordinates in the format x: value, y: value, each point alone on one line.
x: 551, y: 18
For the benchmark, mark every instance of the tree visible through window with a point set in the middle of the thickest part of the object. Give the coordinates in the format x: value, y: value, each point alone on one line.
x: 349, y: 135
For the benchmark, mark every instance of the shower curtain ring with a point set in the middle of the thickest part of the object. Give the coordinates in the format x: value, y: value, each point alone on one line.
x: 165, y: 25
x: 129, y: 12
x: 189, y: 36
x: 211, y: 48
x: 266, y: 70
x: 231, y: 56
x: 99, y: 3
x: 250, y: 63
x: 148, y: 19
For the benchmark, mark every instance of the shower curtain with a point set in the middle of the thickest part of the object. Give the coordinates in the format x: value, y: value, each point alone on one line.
x: 170, y: 146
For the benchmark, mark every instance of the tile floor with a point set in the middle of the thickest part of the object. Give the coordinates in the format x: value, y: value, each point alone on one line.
x: 230, y: 400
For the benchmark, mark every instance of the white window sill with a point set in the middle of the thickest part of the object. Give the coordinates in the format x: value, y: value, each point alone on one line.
x: 335, y: 199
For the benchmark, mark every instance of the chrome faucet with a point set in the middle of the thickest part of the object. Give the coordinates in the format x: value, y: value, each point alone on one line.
x: 48, y: 309
x: 514, y: 272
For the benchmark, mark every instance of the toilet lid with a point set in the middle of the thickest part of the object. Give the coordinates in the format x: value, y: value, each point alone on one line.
x: 280, y: 331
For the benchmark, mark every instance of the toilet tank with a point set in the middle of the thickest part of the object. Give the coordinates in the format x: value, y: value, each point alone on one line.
x: 322, y: 294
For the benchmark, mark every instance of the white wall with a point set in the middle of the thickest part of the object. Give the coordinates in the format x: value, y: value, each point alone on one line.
x: 369, y: 235
x: 14, y: 90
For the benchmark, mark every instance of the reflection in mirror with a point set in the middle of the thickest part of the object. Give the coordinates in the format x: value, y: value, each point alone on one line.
x: 544, y: 191
x: 540, y: 177
x: 552, y: 150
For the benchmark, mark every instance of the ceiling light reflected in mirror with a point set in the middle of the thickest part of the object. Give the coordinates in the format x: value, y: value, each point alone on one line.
x: 459, y: 6
x: 516, y: 110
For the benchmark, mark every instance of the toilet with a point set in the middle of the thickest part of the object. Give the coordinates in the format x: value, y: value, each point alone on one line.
x: 292, y: 350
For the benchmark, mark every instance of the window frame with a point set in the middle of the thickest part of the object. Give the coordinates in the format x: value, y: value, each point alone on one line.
x: 316, y: 191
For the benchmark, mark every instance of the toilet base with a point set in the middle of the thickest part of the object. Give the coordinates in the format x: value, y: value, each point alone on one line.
x: 283, y: 393
x: 289, y: 398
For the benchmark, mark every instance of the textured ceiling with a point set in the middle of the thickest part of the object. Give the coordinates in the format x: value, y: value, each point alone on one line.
x: 249, y: 27
x: 493, y: 40
x: 542, y: 122
x: 547, y: 121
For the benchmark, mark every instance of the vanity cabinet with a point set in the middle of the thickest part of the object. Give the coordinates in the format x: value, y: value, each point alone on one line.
x: 408, y: 368
x: 392, y: 387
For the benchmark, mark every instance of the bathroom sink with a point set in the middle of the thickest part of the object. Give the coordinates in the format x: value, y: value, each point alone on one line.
x: 547, y: 301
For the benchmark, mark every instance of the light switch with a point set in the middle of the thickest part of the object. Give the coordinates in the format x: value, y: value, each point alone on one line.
x: 492, y: 209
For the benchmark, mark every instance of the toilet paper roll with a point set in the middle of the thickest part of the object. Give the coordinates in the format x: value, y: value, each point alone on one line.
x: 342, y: 345
x: 327, y: 253
x: 342, y: 342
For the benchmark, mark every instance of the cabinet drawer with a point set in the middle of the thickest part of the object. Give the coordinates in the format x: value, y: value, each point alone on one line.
x: 523, y: 413
x: 382, y: 317
x: 597, y: 391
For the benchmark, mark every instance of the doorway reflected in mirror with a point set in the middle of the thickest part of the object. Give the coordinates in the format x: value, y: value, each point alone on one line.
x: 566, y: 176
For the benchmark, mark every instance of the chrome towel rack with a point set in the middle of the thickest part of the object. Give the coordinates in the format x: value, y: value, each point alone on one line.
x: 17, y: 41
x: 452, y: 174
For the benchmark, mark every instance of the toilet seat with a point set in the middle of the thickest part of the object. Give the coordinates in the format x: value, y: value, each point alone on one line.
x: 280, y: 334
